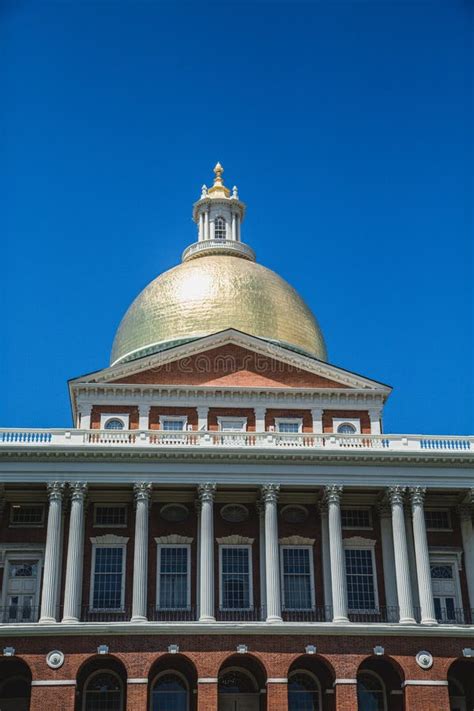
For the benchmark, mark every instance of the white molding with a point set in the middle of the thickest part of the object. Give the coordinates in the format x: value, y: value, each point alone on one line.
x: 208, y: 680
x: 291, y: 420
x: 186, y: 545
x: 277, y: 680
x: 359, y: 542
x: 173, y: 539
x: 235, y: 540
x: 425, y: 682
x: 354, y: 421
x: 108, y: 539
x: 179, y: 418
x: 124, y: 417
x: 221, y: 420
x: 296, y: 541
x: 53, y: 682
x: 137, y: 681
x: 344, y: 681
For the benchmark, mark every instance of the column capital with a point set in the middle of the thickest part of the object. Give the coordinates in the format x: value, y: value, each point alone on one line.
x: 202, y: 410
x: 383, y: 507
x: 55, y: 490
x: 206, y: 492
x: 269, y: 493
x: 78, y: 490
x: 142, y: 491
x: 144, y: 408
x: 333, y: 493
x: 396, y: 495
x: 417, y: 495
x: 84, y: 408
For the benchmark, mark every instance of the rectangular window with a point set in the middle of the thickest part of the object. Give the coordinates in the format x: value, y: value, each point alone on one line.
x: 361, y: 593
x: 110, y: 515
x: 170, y: 424
x: 297, y: 576
x: 437, y: 519
x: 356, y: 518
x: 173, y: 577
x: 108, y: 582
x: 231, y: 425
x: 236, y: 578
x: 27, y: 514
x: 290, y: 427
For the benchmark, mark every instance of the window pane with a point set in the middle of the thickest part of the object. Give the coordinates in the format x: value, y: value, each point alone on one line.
x: 437, y: 520
x: 110, y: 515
x: 219, y: 228
x: 169, y: 694
x: 103, y: 693
x: 114, y: 424
x: 235, y: 578
x: 27, y: 515
x: 355, y: 518
x: 360, y: 579
x: 173, y: 578
x: 172, y: 425
x: 296, y: 579
x: 288, y: 427
x: 232, y: 426
x: 108, y: 578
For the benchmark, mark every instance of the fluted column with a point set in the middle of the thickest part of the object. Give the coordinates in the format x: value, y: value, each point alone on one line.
x: 75, y: 554
x: 206, y: 496
x: 326, y: 558
x: 272, y: 558
x: 338, y: 569
x: 49, y: 596
x: 402, y: 569
x: 206, y: 224
x: 388, y: 560
x: 234, y: 227
x: 262, y: 567
x: 467, y: 533
x: 142, y: 491
x: 423, y: 568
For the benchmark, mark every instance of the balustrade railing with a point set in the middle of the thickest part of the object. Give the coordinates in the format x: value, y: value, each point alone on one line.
x: 232, y: 440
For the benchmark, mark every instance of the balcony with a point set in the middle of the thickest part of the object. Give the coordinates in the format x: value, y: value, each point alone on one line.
x: 155, y: 439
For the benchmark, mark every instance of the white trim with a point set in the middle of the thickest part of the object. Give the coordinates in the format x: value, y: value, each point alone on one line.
x: 344, y: 681
x: 53, y: 682
x: 295, y: 541
x: 237, y: 418
x: 424, y: 682
x: 208, y: 680
x: 12, y: 555
x: 98, y: 543
x: 277, y: 680
x: 451, y: 558
x: 137, y: 681
x: 248, y: 546
x: 290, y: 420
x: 159, y: 548
x: 308, y: 548
x: 360, y: 543
x: 354, y: 421
x: 108, y: 539
x: 173, y: 539
x: 235, y: 540
x: 178, y: 418
x: 123, y: 417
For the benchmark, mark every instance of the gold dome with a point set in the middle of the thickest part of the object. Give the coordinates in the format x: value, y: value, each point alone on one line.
x: 210, y: 294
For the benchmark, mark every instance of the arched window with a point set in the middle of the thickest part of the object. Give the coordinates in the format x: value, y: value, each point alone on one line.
x: 370, y: 692
x: 114, y: 424
x: 103, y: 692
x: 170, y: 693
x: 304, y: 692
x: 237, y: 681
x: 346, y: 428
x: 219, y: 228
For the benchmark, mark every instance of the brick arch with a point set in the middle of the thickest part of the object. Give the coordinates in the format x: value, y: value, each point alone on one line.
x: 254, y: 663
x: 311, y: 662
x: 389, y: 671
x: 384, y: 661
x: 181, y: 662
x: 96, y: 663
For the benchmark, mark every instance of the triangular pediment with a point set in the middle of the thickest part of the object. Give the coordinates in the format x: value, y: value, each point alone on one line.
x: 235, y: 360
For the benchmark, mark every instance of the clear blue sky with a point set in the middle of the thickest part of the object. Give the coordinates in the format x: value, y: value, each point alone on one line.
x: 347, y: 127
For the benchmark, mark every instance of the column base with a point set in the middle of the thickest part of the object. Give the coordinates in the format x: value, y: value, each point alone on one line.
x: 207, y: 618
x: 139, y: 618
x: 407, y: 621
x: 429, y: 621
x: 274, y: 619
x: 340, y: 620
x: 70, y: 621
x: 47, y: 621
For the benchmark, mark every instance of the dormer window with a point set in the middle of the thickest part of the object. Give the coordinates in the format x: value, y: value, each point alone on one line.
x: 114, y: 424
x: 219, y: 228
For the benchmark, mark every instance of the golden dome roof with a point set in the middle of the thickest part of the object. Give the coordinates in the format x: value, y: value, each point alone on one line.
x: 210, y: 294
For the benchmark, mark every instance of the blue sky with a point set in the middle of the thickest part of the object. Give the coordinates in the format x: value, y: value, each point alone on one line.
x: 347, y: 127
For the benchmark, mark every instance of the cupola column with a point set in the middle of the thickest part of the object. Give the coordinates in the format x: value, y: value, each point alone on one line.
x: 206, y: 494
x: 49, y: 596
x: 333, y: 495
x: 402, y: 568
x: 201, y: 227
x: 423, y: 568
x: 272, y: 557
x: 467, y: 533
x: 75, y: 554
x: 142, y: 491
x: 206, y: 223
x: 234, y: 226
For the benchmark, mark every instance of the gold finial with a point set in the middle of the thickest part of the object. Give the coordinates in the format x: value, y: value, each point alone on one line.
x: 219, y: 188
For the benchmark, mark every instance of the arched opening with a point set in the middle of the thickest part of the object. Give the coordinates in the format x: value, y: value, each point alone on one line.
x: 114, y: 424
x: 219, y: 228
x: 101, y: 685
x: 15, y: 685
x: 461, y: 688
x: 379, y: 685
x: 241, y: 683
x: 172, y: 684
x: 309, y: 677
x: 346, y: 428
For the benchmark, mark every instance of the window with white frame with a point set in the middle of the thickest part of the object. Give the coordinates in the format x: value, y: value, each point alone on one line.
x: 444, y: 568
x: 347, y: 426
x: 356, y: 518
x: 173, y: 424
x: 297, y: 577
x: 110, y: 515
x: 289, y: 425
x: 361, y: 578
x: 219, y: 228
x: 235, y: 563
x: 108, y: 577
x: 232, y: 424
x: 438, y: 520
x: 173, y: 577
x: 26, y: 515
x: 113, y: 421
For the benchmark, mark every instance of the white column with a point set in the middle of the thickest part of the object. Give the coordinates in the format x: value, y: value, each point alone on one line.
x: 201, y: 227
x: 317, y: 415
x: 262, y: 566
x: 326, y: 558
x: 375, y: 422
x: 85, y: 410
x: 142, y: 491
x: 49, y: 597
x: 272, y: 553
x: 144, y: 417
x: 202, y: 413
x: 388, y: 561
x: 411, y: 558
x: 206, y: 224
x: 212, y: 229
x: 234, y: 227
x: 402, y: 568
x: 197, y: 506
x: 467, y: 533
x: 338, y: 569
x: 239, y: 239
x: 206, y: 496
x: 75, y: 554
x: 423, y: 568
x: 260, y: 418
